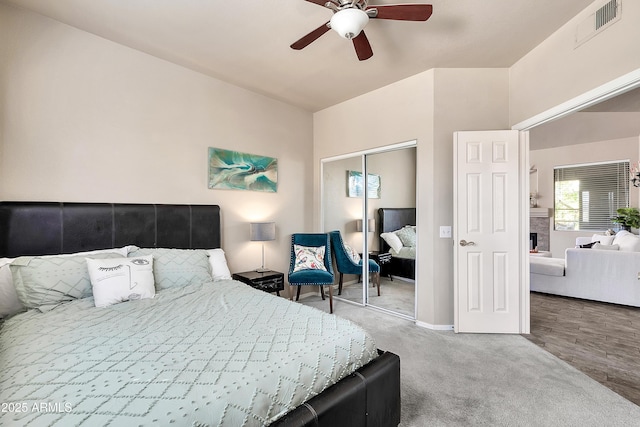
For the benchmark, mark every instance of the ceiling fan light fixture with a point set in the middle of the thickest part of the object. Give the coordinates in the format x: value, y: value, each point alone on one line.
x: 349, y: 22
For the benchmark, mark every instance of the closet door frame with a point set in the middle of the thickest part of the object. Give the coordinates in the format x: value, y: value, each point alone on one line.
x: 365, y: 204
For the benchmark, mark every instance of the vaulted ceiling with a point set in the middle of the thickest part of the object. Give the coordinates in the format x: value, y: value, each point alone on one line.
x: 246, y: 42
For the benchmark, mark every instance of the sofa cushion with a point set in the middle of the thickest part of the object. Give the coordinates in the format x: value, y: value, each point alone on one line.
x: 547, y: 266
x: 627, y: 241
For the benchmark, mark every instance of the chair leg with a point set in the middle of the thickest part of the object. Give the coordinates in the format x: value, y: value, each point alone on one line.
x: 298, y: 293
x: 378, y: 282
x: 322, y: 292
x: 331, y: 299
x: 340, y: 284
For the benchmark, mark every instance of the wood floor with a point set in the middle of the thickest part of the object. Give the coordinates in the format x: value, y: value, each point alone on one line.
x: 602, y: 340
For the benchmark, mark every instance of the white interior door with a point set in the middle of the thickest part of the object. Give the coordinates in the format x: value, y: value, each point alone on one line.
x: 490, y: 222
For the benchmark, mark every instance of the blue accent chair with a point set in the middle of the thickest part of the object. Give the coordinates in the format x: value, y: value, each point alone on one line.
x: 312, y: 277
x: 346, y: 265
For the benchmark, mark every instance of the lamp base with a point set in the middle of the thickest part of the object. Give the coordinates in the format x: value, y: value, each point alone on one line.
x: 262, y: 270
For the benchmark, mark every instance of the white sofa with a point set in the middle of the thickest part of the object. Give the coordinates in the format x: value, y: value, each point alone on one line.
x: 606, y: 272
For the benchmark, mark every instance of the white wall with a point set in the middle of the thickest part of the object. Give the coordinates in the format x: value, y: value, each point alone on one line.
x: 85, y: 119
x: 427, y: 107
x: 556, y: 70
x: 546, y: 159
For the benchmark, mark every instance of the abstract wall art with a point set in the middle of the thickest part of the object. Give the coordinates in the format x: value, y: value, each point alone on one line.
x: 233, y: 170
x: 355, y: 185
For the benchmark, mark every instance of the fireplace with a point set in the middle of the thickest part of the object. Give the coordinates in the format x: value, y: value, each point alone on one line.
x: 539, y: 233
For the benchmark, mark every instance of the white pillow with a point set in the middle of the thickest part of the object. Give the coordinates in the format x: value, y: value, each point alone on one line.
x: 9, y: 302
x: 604, y: 240
x: 628, y: 242
x: 353, y: 254
x: 392, y: 240
x: 605, y: 247
x: 218, y: 263
x: 121, y: 279
x: 309, y: 258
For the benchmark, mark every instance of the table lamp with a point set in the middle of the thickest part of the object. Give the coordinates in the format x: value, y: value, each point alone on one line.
x: 263, y: 232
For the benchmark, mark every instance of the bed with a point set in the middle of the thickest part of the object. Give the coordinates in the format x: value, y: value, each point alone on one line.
x: 196, y: 354
x: 391, y: 220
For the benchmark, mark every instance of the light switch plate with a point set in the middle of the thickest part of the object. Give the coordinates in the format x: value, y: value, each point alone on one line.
x: 445, y: 231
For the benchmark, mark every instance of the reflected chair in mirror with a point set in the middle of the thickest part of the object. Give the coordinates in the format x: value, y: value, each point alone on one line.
x: 346, y: 265
x: 311, y: 263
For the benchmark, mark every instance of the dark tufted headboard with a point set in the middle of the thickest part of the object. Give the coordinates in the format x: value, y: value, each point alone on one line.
x: 392, y: 219
x: 45, y: 228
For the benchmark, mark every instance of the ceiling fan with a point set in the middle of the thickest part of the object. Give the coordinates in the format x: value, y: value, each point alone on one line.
x: 350, y: 17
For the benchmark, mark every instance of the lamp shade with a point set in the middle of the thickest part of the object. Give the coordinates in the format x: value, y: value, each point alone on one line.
x: 349, y: 22
x: 263, y: 231
x: 371, y: 225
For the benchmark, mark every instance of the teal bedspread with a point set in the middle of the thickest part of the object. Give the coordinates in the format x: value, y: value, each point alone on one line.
x: 212, y: 354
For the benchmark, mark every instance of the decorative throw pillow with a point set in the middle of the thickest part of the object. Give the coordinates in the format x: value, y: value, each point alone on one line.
x: 392, y: 240
x: 218, y: 264
x: 309, y: 258
x: 46, y: 281
x: 119, y: 280
x: 604, y: 240
x: 588, y: 245
x: 177, y: 267
x: 353, y: 254
x: 9, y: 302
x: 407, y: 236
x: 627, y: 241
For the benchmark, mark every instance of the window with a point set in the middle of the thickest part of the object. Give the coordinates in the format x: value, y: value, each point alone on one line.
x: 587, y: 196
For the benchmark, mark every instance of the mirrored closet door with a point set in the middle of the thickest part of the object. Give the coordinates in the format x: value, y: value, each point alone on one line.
x: 360, y: 210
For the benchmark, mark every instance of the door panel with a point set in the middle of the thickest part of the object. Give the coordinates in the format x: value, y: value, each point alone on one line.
x: 487, y: 232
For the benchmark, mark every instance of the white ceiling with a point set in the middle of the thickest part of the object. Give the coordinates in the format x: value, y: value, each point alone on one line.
x: 246, y: 42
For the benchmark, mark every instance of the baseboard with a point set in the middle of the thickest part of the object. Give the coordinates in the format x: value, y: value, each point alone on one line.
x: 434, y: 327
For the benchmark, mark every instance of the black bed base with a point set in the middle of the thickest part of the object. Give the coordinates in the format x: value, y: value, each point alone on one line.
x: 402, y: 267
x: 392, y: 219
x: 368, y: 398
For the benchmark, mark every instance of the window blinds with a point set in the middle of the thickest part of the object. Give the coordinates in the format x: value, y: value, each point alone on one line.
x: 587, y: 196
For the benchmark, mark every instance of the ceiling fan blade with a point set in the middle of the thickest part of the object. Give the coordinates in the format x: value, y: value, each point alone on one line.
x: 403, y: 12
x: 319, y: 2
x: 362, y: 46
x: 311, y: 37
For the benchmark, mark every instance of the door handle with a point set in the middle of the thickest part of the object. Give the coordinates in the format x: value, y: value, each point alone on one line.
x: 465, y: 243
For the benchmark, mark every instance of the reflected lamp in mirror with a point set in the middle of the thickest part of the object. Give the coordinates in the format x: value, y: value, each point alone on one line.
x: 262, y: 232
x: 371, y: 225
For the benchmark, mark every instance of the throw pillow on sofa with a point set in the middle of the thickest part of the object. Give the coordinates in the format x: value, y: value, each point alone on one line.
x: 602, y: 239
x: 627, y: 241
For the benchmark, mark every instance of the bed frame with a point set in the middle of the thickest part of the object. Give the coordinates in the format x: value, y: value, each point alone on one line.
x: 368, y: 397
x: 392, y: 219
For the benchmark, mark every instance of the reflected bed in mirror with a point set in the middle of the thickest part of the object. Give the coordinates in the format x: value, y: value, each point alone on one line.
x: 392, y: 220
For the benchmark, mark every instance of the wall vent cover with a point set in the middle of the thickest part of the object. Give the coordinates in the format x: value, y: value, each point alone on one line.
x: 601, y: 19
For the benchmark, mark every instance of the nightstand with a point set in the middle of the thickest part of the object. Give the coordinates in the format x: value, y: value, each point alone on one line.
x: 383, y: 260
x: 268, y: 281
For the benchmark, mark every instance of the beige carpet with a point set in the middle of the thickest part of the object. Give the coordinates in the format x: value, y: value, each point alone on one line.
x: 453, y: 379
x: 398, y: 295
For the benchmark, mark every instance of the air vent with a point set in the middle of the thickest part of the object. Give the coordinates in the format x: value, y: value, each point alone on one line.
x: 594, y: 24
x: 606, y: 14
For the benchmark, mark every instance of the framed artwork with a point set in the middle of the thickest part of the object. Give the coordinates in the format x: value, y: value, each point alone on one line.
x: 233, y: 170
x: 355, y: 185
